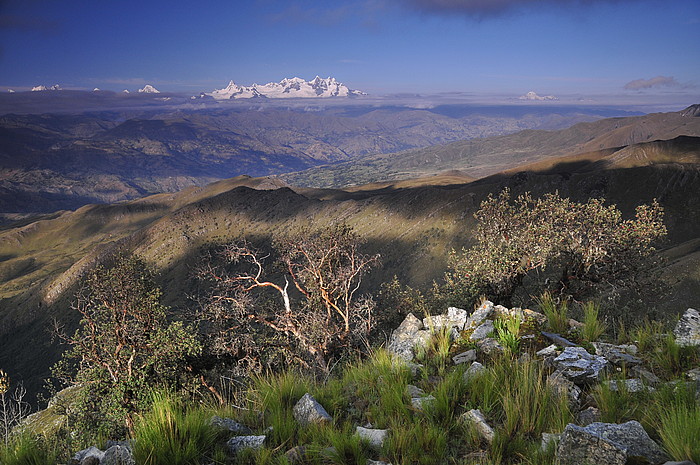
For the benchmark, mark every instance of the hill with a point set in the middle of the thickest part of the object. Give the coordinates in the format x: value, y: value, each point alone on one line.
x: 487, y: 156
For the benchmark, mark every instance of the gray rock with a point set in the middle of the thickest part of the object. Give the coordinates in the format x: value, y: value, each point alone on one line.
x: 307, y: 411
x: 490, y: 346
x: 416, y: 368
x: 474, y: 370
x: 548, y: 351
x: 90, y: 460
x: 577, y: 365
x: 377, y: 462
x: 645, y: 375
x: 693, y: 374
x: 454, y: 318
x: 617, y: 355
x: 231, y: 425
x: 296, y: 454
x: 476, y: 418
x: 608, y: 444
x: 239, y: 443
x: 118, y: 455
x: 684, y: 462
x: 375, y: 437
x: 421, y: 403
x: 484, y: 311
x: 565, y: 387
x: 414, y: 391
x: 549, y: 438
x: 482, y: 331
x: 687, y: 329
x: 558, y: 340
x: 630, y: 385
x: 588, y: 416
x: 465, y: 357
x: 91, y: 451
x: 405, y: 337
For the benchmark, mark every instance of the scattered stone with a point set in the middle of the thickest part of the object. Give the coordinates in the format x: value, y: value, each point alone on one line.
x: 421, y: 403
x: 476, y: 418
x: 575, y: 325
x: 118, y: 455
x: 630, y: 385
x: 588, y: 416
x: 465, y: 357
x: 414, y: 391
x: 377, y: 462
x: 239, y: 443
x: 296, y: 454
x: 645, y: 375
x: 548, y: 351
x: 406, y: 337
x: 490, y: 346
x: 474, y: 370
x: 482, y: 331
x: 694, y: 374
x: 375, y: 437
x: 558, y: 340
x: 549, y: 438
x: 91, y: 451
x: 607, y: 444
x: 308, y: 411
x: 565, y: 387
x: 231, y: 425
x: 687, y: 329
x: 617, y: 355
x: 577, y: 365
x: 484, y: 311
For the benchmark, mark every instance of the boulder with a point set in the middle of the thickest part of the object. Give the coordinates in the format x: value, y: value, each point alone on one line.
x: 421, y: 403
x: 406, y: 337
x: 489, y: 346
x: 85, y: 454
x: 618, y: 355
x: 231, y: 425
x: 307, y: 411
x: 476, y: 418
x: 577, y: 365
x: 239, y: 443
x: 687, y: 329
x: 474, y: 370
x: 608, y: 444
x: 465, y: 357
x: 484, y: 311
x: 375, y: 437
x: 118, y: 455
x: 454, y: 318
x: 482, y: 331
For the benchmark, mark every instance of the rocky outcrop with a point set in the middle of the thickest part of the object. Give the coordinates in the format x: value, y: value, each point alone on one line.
x: 608, y: 444
x: 409, y: 335
x: 687, y: 329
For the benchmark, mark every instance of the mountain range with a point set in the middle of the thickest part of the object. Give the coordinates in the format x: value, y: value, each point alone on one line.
x: 287, y: 88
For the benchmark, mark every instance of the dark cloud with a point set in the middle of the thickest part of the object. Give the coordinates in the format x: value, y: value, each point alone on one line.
x: 489, y: 8
x: 658, y: 81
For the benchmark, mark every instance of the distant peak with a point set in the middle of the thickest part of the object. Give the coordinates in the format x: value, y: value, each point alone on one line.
x: 149, y: 89
x: 532, y: 95
x: 693, y: 110
x: 295, y: 87
x: 42, y: 88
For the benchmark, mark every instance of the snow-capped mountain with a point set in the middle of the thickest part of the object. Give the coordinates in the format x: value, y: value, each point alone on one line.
x: 40, y: 88
x: 533, y: 96
x: 149, y: 89
x: 286, y: 88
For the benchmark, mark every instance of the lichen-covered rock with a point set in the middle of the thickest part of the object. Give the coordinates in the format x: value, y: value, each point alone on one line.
x: 474, y: 370
x: 375, y: 437
x: 85, y: 454
x: 484, y: 311
x: 565, y: 387
x: 549, y: 438
x: 239, y: 443
x: 490, y: 346
x: 465, y: 357
x: 687, y: 329
x: 577, y: 365
x: 476, y: 418
x: 405, y: 338
x: 618, y: 354
x: 608, y: 444
x: 421, y: 403
x: 454, y: 318
x: 118, y: 455
x: 482, y: 331
x: 629, y: 385
x: 231, y: 425
x: 307, y: 411
x: 588, y: 416
x: 414, y: 391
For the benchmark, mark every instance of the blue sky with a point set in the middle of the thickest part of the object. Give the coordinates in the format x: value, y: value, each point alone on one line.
x: 581, y: 48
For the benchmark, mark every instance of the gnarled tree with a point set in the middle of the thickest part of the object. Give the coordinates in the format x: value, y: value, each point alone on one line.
x: 318, y: 308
